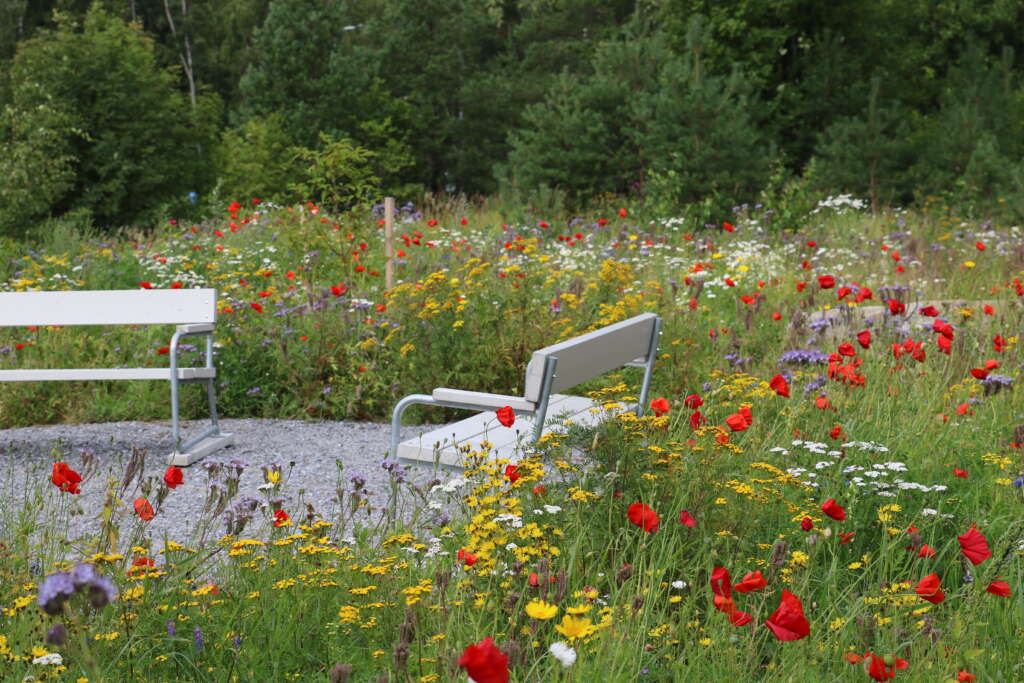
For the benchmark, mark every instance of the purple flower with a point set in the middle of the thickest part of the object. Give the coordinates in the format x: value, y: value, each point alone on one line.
x: 803, y: 357
x: 57, y: 635
x: 198, y: 639
x: 171, y: 629
x: 54, y: 592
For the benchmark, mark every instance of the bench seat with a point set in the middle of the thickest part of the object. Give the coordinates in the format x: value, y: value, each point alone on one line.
x: 441, y: 445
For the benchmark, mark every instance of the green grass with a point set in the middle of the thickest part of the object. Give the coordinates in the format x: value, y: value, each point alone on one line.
x: 400, y: 605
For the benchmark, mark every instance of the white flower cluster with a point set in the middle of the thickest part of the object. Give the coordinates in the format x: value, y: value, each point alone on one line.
x: 841, y: 204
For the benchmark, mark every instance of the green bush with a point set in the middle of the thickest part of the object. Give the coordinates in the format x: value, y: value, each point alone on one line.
x: 96, y: 125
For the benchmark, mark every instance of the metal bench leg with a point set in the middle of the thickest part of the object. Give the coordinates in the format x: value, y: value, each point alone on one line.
x: 211, y: 439
x: 550, y: 364
x: 652, y: 353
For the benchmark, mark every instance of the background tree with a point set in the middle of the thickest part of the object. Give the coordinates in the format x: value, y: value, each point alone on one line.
x: 95, y: 94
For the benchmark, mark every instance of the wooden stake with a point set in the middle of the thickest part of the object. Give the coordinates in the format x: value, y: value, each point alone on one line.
x: 389, y: 247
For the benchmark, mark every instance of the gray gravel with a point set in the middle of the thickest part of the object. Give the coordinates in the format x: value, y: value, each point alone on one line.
x: 316, y: 459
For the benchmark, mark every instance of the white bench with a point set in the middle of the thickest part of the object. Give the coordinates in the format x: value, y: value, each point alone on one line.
x: 632, y: 342
x: 194, y: 311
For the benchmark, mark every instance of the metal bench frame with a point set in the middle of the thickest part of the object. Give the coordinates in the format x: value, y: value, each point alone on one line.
x: 194, y: 307
x: 644, y: 329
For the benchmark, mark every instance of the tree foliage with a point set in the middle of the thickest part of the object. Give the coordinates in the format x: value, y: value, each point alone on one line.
x: 674, y: 101
x: 91, y: 107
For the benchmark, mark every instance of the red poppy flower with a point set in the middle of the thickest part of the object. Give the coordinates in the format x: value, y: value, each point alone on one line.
x: 145, y: 285
x: 980, y: 246
x: 964, y: 409
x: 484, y: 662
x: 788, y: 622
x: 884, y: 668
x: 729, y: 282
x: 979, y: 373
x: 644, y: 517
x: 539, y: 490
x: 143, y: 509
x: 991, y: 364
x: 823, y: 403
x: 845, y: 538
x: 512, y: 473
x: 281, y: 518
x: 929, y: 311
x: 864, y: 338
x: 806, y: 524
x: 65, y: 478
x: 960, y: 473
x: 833, y: 509
x: 728, y: 227
x: 800, y: 286
x: 623, y: 213
x: 747, y: 416
x: 736, y: 422
x: 506, y: 416
x: 659, y: 406
x: 988, y: 310
x: 696, y: 419
x: 753, y: 581
x: 1000, y: 588
x: 846, y: 349
x: 693, y: 401
x: 721, y: 585
x: 173, y: 477
x: 974, y: 546
x: 945, y: 329
x: 927, y: 552
x: 256, y: 307
x: 780, y: 386
x: 465, y: 557
x: 687, y: 519
x: 339, y: 290
x: 837, y: 432
x: 963, y: 676
x: 895, y: 306
x: 826, y: 281
x: 944, y: 344
x: 928, y: 588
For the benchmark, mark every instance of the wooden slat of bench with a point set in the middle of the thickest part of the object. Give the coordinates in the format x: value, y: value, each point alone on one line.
x: 43, y: 375
x: 113, y: 307
x: 584, y: 357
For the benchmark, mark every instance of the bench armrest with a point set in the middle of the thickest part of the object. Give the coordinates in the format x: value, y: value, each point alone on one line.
x: 200, y: 328
x: 483, y: 401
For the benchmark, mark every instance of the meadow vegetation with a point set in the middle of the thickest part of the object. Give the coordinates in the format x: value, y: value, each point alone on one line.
x: 825, y: 486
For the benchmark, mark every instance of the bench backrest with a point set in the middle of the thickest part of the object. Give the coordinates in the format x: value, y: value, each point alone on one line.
x: 589, y: 355
x: 112, y: 307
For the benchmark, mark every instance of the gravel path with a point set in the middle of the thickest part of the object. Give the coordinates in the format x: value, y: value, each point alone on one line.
x: 316, y: 458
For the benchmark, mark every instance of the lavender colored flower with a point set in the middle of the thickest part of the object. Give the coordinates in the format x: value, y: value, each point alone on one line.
x: 171, y: 629
x: 197, y: 638
x: 358, y: 481
x: 237, y: 641
x: 102, y: 592
x: 55, y: 591
x: 820, y: 324
x: 57, y: 635
x: 1019, y: 481
x: 803, y: 357
x: 394, y: 469
x: 816, y: 384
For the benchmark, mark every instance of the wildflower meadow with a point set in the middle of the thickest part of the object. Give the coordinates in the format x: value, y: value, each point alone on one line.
x: 825, y: 485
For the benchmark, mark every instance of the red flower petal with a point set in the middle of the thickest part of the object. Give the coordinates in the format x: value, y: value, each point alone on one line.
x: 788, y: 622
x: 974, y: 546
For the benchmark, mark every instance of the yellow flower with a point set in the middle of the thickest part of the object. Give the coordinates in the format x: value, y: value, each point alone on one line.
x: 575, y: 627
x: 538, y: 609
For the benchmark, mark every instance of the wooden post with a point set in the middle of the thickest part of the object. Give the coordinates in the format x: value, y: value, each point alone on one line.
x: 389, y: 247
